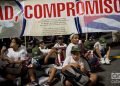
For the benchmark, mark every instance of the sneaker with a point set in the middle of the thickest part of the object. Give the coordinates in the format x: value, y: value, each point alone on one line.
x: 102, y: 61
x: 46, y: 84
x: 104, y: 56
x: 18, y: 81
x: 33, y: 84
x: 107, y: 61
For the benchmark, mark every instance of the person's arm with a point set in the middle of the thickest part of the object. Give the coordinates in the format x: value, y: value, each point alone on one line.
x: 86, y: 54
x: 5, y: 57
x: 74, y: 65
x: 67, y: 56
x: 82, y: 68
x: 97, y: 50
x: 23, y: 57
x: 18, y: 61
x: 65, y: 67
x: 66, y: 61
x: 48, y: 55
x: 2, y: 52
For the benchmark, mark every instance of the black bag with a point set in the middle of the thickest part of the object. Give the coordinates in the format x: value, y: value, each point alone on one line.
x: 76, y: 76
x: 14, y: 69
x: 3, y: 64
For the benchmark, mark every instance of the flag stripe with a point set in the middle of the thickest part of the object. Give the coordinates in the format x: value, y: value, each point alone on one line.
x: 101, y: 26
x: 115, y: 17
x: 109, y: 22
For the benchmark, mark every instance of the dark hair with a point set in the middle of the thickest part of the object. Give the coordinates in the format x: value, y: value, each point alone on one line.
x: 18, y: 41
x: 60, y: 37
x: 41, y: 41
x: 34, y: 42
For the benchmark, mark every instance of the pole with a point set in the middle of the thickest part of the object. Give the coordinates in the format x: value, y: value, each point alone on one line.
x: 25, y: 41
x: 86, y: 36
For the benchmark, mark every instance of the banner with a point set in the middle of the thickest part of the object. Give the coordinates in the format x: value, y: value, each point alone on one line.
x: 58, y: 17
x: 11, y: 19
x: 42, y: 18
x: 63, y: 17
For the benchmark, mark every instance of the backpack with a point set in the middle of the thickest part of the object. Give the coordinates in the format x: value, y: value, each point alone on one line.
x: 76, y: 76
x: 93, y: 61
x: 14, y: 69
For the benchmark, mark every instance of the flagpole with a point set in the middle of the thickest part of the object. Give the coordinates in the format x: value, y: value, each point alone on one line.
x: 25, y: 41
x: 2, y: 39
x: 86, y: 36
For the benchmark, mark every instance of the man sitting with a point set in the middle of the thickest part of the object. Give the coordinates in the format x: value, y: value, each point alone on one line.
x: 81, y: 64
x: 17, y: 55
x: 103, y: 50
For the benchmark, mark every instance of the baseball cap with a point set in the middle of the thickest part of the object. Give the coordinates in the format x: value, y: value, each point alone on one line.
x: 88, y: 45
x: 75, y: 48
x: 102, y: 40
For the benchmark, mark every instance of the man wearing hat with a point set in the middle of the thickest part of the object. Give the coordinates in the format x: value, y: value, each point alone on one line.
x: 78, y: 61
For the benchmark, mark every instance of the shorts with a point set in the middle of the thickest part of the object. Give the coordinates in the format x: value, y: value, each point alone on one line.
x: 103, y: 52
x: 58, y: 73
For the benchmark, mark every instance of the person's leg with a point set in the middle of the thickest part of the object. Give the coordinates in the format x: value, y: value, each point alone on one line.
x: 31, y: 74
x: 108, y: 53
x: 52, y: 73
x: 10, y: 77
x: 32, y: 77
x: 67, y: 83
x: 107, y: 59
x: 93, y: 79
x: 100, y: 55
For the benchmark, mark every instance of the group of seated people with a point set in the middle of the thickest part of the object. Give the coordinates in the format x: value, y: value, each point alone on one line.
x: 75, y: 55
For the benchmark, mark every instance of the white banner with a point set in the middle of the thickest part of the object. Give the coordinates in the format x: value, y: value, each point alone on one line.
x: 47, y: 23
x: 58, y: 17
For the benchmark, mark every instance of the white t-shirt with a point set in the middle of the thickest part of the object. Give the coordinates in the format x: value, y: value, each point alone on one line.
x: 60, y: 46
x: 57, y: 45
x: 99, y: 45
x: 82, y: 62
x: 20, y: 54
x: 44, y: 50
x: 77, y: 62
x: 68, y: 54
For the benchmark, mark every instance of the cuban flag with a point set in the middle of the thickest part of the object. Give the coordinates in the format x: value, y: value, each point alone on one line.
x: 103, y: 23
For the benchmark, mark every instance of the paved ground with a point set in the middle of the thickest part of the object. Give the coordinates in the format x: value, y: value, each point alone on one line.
x: 105, y: 76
